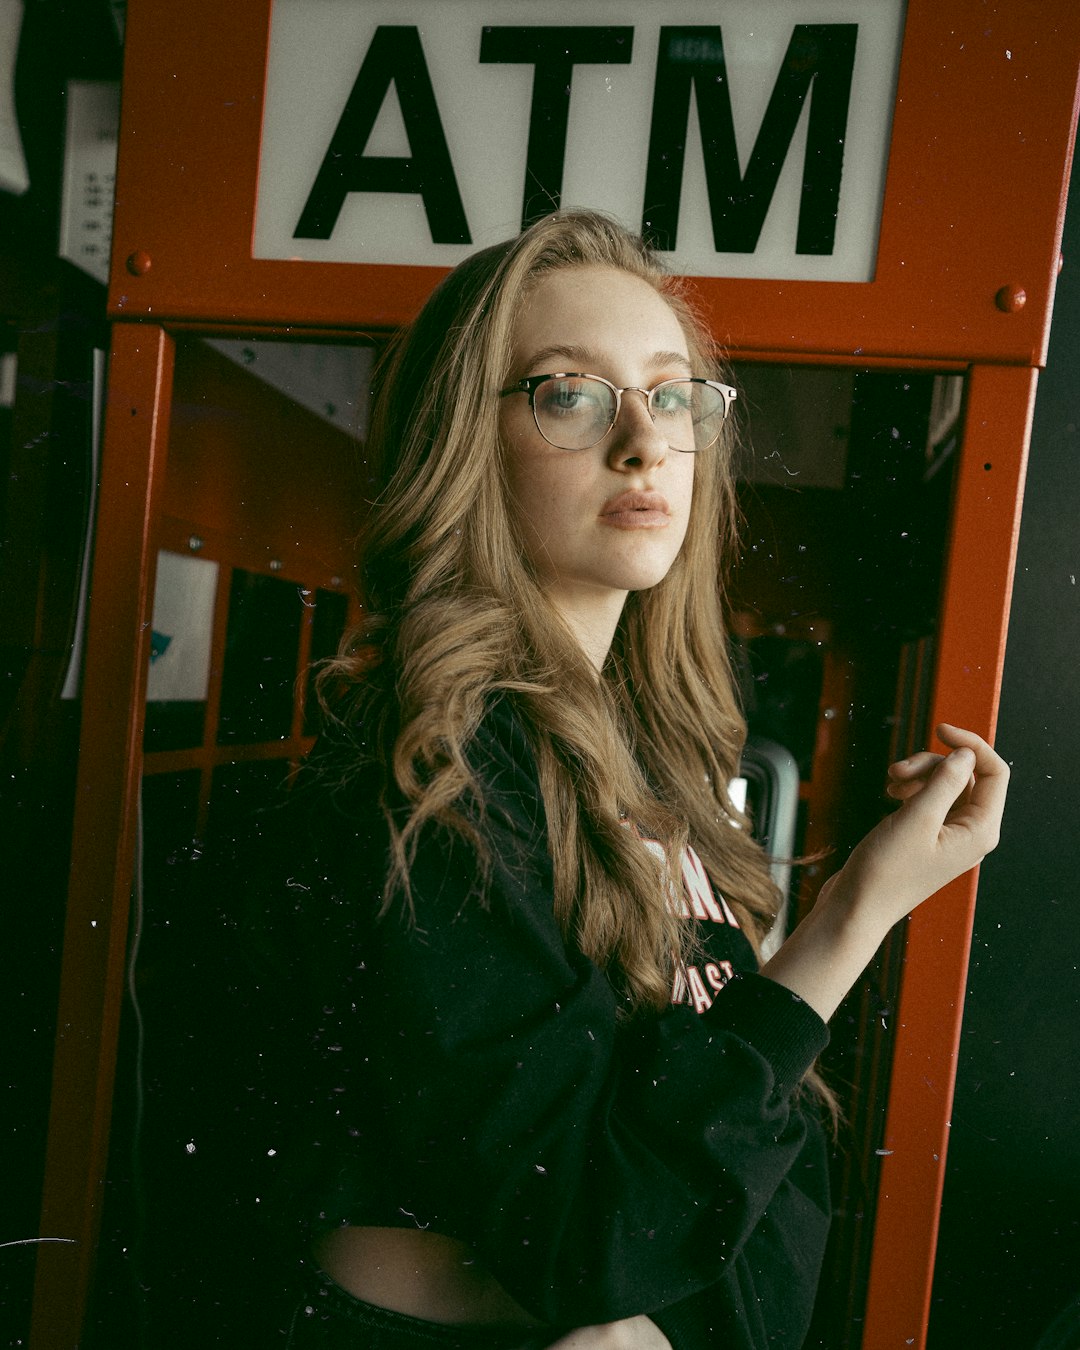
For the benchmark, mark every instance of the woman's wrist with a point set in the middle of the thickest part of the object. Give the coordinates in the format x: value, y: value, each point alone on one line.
x: 830, y: 949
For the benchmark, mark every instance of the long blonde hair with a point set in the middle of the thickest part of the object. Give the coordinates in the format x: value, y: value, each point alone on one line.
x: 456, y: 616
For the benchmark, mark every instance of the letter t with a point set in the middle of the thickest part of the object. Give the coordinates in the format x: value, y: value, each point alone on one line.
x: 554, y: 52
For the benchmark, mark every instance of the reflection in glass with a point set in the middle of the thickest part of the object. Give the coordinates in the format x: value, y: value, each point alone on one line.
x: 261, y: 645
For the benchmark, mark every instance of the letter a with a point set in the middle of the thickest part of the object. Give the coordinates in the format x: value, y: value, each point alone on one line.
x: 394, y: 57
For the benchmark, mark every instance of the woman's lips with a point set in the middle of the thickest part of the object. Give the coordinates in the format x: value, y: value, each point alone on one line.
x: 636, y: 511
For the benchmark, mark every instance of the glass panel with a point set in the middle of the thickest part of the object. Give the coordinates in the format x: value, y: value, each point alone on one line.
x: 174, y: 726
x: 170, y: 808
x: 239, y: 792
x: 261, y: 657
x: 781, y: 693
x: 154, y: 1070
x: 327, y: 628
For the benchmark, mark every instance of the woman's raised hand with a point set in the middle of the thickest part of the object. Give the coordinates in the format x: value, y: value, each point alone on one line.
x: 949, y: 819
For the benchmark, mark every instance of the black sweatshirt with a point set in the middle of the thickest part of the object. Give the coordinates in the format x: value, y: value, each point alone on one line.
x: 478, y: 1082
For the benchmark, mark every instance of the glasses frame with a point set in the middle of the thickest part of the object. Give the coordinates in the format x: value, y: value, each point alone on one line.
x: 531, y: 383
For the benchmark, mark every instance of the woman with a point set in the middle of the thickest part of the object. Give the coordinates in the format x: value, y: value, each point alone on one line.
x: 562, y: 1105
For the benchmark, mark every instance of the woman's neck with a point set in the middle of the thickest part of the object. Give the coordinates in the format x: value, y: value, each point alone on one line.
x: 592, y: 618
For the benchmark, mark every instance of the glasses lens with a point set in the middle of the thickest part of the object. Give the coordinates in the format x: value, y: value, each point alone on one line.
x: 573, y: 412
x: 690, y: 412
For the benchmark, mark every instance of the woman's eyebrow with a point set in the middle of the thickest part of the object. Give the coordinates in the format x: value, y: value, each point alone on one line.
x: 672, y: 359
x: 586, y: 360
x: 568, y: 353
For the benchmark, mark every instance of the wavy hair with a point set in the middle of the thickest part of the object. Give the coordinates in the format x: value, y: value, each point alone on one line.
x: 456, y: 616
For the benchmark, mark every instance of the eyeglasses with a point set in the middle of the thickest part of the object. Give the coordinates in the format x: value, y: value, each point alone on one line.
x: 576, y: 412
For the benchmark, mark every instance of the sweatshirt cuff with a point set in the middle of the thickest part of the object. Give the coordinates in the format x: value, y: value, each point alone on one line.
x: 778, y: 1024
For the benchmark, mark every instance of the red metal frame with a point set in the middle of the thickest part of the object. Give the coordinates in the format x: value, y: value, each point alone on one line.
x: 971, y: 653
x: 116, y: 662
x: 981, y: 148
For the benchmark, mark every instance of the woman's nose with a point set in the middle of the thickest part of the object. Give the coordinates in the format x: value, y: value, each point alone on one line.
x: 636, y: 440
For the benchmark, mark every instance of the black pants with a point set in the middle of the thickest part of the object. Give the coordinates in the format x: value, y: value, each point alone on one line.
x: 329, y: 1318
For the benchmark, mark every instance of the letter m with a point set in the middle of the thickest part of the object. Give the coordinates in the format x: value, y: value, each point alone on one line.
x: 818, y: 65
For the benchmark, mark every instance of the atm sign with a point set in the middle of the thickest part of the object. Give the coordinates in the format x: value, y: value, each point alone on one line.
x: 744, y: 139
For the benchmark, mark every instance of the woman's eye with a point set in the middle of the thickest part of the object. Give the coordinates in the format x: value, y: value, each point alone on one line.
x: 672, y: 398
x: 567, y: 396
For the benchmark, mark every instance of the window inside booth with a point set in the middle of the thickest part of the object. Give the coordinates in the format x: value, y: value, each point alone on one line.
x: 254, y: 580
x: 845, y: 480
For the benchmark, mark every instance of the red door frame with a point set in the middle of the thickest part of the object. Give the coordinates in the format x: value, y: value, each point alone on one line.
x: 115, y: 666
x: 967, y: 685
x: 971, y: 227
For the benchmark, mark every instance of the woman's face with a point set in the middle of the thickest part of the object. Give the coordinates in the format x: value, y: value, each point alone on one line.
x: 601, y: 522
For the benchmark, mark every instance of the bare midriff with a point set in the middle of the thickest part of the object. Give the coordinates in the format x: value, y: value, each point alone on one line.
x: 420, y: 1274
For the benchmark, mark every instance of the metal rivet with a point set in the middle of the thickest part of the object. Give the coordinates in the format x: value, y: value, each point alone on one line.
x: 1011, y: 299
x: 335, y: 581
x: 194, y: 543
x: 276, y: 564
x: 139, y: 263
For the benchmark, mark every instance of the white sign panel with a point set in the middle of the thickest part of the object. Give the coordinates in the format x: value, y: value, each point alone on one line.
x: 746, y: 138
x: 183, y: 628
x: 14, y: 177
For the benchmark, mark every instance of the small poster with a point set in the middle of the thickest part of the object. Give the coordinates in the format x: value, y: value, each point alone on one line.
x: 183, y: 626
x: 93, y: 121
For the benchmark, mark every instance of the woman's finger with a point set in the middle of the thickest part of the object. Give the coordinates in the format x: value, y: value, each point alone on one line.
x: 984, y: 805
x: 915, y: 766
x: 902, y: 792
x: 962, y: 802
x: 941, y: 792
x: 908, y: 777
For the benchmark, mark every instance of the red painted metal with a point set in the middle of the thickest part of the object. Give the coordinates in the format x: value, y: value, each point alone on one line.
x: 250, y: 474
x: 116, y: 661
x: 1011, y: 299
x: 974, y: 622
x: 139, y: 263
x: 981, y: 140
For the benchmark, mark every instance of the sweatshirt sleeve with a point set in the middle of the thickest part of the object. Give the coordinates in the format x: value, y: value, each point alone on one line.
x: 601, y: 1166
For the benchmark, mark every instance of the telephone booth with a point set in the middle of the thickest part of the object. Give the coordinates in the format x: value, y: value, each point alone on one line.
x: 869, y: 199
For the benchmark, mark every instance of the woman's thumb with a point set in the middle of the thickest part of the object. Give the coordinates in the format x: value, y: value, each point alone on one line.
x: 950, y: 778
